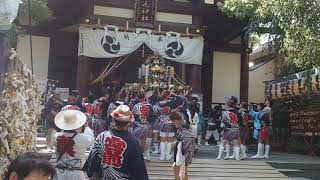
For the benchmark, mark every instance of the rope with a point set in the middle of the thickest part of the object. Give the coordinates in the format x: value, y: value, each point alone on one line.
x: 102, y: 73
x: 109, y: 70
x: 179, y: 83
x: 115, y: 67
x: 180, y: 79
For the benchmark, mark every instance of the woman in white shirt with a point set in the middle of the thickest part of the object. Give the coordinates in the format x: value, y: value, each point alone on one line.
x: 193, y: 120
x: 71, y: 144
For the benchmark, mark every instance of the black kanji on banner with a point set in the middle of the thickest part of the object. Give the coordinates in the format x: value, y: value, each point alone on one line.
x: 145, y: 11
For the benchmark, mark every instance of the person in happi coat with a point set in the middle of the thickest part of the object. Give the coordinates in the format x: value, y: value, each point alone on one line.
x: 72, y: 143
x: 185, y: 146
x: 51, y: 109
x: 142, y: 130
x: 117, y: 154
x: 162, y: 126
x: 213, y: 124
x: 231, y: 121
x: 193, y: 120
x: 100, y: 114
x: 74, y: 99
x: 254, y: 113
x: 88, y: 106
x: 265, y: 117
x: 154, y: 98
x: 117, y: 101
x: 244, y: 130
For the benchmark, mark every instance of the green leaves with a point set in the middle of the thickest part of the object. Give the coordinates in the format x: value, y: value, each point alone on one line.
x: 296, y: 22
x: 39, y: 10
x: 40, y: 13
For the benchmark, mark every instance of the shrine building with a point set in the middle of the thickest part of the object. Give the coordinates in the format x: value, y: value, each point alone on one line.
x: 206, y: 49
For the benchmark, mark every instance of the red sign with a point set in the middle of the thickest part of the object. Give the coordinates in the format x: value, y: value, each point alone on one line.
x: 114, y: 148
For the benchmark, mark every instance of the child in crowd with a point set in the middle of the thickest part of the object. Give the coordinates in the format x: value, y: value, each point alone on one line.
x: 185, y: 146
x: 213, y: 123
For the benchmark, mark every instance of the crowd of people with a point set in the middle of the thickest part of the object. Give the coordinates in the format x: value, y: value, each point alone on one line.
x: 122, y: 128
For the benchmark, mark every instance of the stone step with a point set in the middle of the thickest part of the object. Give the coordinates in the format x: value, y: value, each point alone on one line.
x: 200, y: 169
x: 209, y: 170
x: 215, y: 178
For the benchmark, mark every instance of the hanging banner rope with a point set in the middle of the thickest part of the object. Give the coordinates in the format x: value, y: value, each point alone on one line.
x: 108, y: 70
x: 180, y: 79
x: 179, y: 83
x: 115, y: 66
x: 103, y: 72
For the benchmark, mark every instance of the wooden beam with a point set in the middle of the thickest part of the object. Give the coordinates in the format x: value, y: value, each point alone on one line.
x: 36, y: 31
x: 168, y: 6
x: 232, y: 48
x: 175, y: 7
x: 128, y: 4
x: 165, y: 26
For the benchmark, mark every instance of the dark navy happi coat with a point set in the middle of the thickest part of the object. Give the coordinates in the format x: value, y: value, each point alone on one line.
x: 116, y: 155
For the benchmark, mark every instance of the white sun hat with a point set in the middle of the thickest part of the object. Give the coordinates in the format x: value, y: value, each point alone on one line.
x: 70, y: 118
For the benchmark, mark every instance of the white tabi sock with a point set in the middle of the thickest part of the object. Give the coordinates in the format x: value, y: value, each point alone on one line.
x: 237, y: 152
x: 147, y: 152
x: 221, y: 149
x: 233, y: 153
x: 266, y: 151
x: 227, y: 152
x: 156, y: 148
x: 243, y: 154
x: 168, y: 151
x: 259, y: 151
x: 162, y: 150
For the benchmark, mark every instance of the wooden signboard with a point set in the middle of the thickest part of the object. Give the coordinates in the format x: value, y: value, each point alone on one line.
x: 145, y: 11
x: 305, y: 122
x: 315, y: 85
x: 291, y: 88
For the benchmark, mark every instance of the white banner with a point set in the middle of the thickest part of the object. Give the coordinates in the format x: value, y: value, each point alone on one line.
x: 112, y: 43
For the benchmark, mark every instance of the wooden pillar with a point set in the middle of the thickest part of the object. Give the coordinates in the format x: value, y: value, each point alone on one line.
x: 207, y: 80
x: 244, y: 77
x: 83, y: 75
x: 183, y: 73
x: 194, y: 78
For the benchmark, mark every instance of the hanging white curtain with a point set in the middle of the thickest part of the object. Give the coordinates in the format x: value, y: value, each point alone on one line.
x: 112, y: 43
x: 8, y: 12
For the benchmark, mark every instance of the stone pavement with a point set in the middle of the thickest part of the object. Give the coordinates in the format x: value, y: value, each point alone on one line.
x: 296, y: 166
x: 204, y: 167
x: 207, y: 169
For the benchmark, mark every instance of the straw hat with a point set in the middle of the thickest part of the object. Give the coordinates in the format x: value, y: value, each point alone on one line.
x: 122, y: 113
x: 70, y: 118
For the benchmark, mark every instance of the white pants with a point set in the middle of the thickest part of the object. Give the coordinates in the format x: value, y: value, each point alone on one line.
x: 165, y: 134
x: 213, y: 133
x: 70, y: 175
x: 194, y: 129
